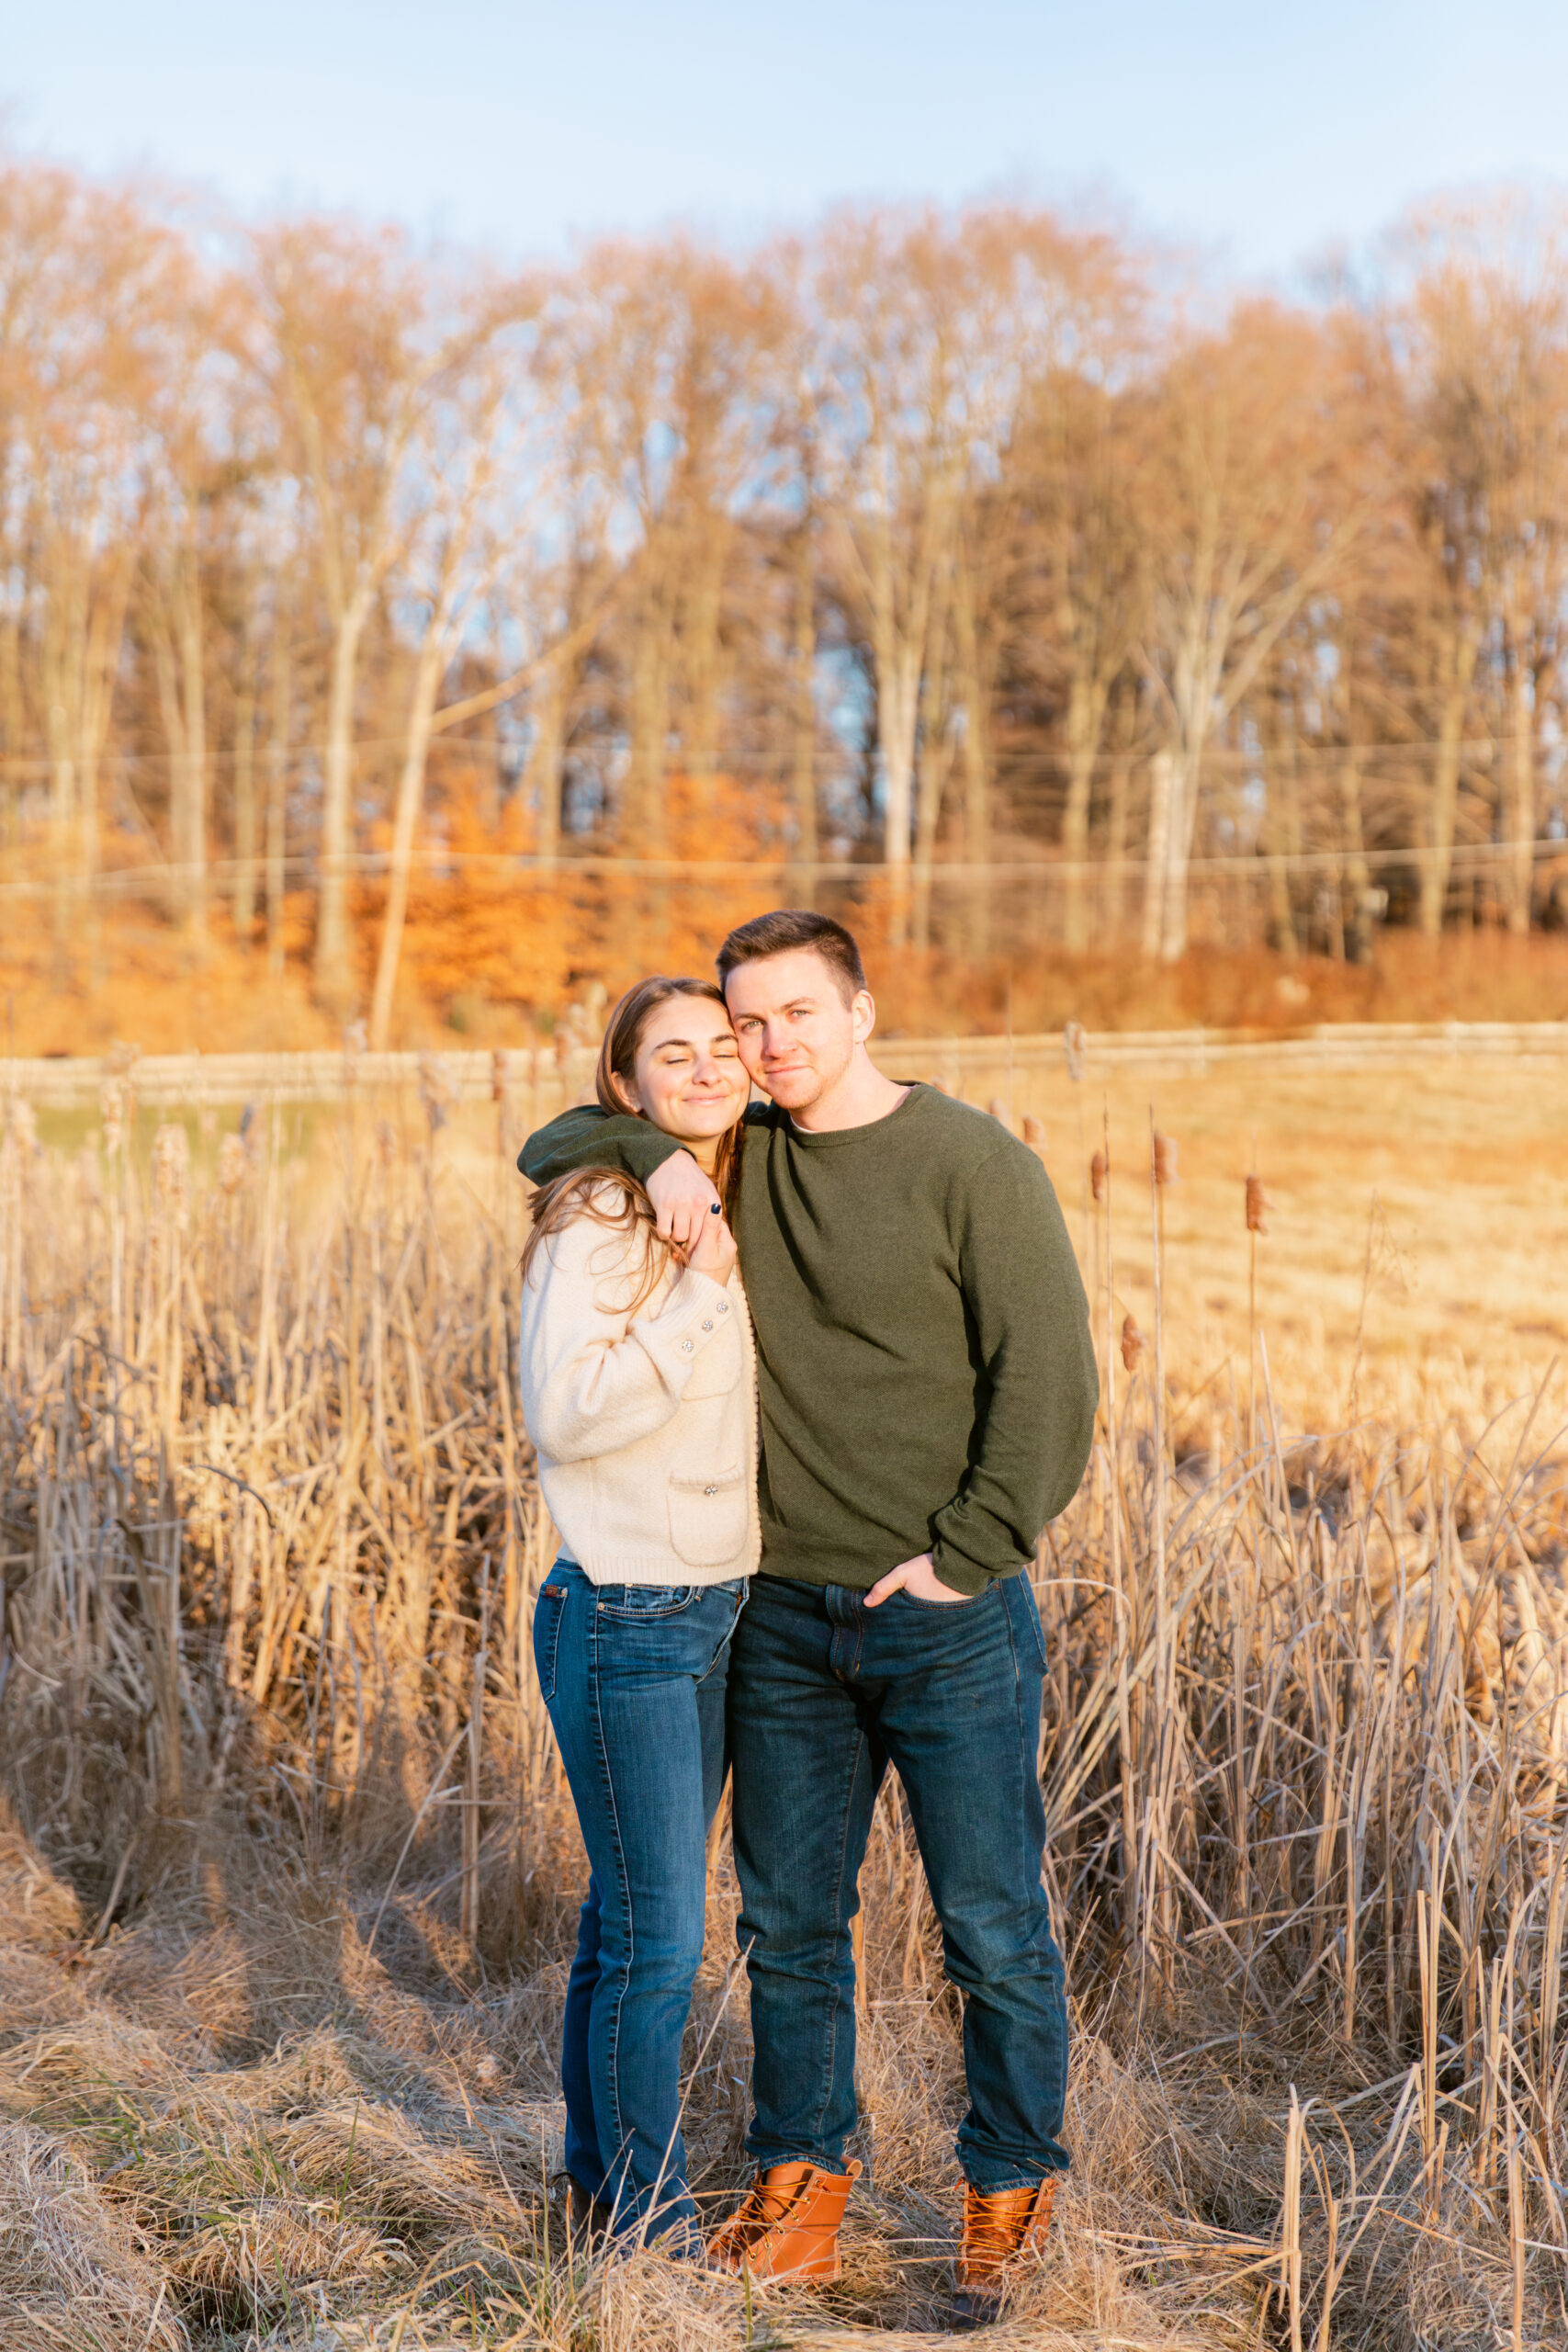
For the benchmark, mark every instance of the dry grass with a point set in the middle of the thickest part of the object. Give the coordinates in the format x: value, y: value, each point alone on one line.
x: 288, y: 1876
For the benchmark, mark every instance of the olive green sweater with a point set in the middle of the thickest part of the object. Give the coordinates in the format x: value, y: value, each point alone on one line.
x: 926, y: 1377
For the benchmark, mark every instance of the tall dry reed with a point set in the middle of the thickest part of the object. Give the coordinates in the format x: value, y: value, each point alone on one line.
x: 288, y: 1868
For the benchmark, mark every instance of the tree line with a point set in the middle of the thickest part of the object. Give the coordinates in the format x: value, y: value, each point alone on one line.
x: 982, y: 570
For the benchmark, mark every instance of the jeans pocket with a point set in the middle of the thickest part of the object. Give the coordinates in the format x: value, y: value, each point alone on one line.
x: 636, y: 1603
x: 946, y: 1608
x: 1029, y: 1608
x: 548, y: 1610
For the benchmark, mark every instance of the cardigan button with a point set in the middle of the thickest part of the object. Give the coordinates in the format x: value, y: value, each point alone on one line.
x: 724, y: 1306
x: 709, y: 1325
x: 687, y: 1346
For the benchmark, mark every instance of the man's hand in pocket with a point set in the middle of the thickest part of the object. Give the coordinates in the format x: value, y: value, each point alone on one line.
x: 919, y: 1579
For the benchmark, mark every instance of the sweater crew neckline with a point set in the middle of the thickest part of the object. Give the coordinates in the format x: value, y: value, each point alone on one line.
x: 823, y: 1139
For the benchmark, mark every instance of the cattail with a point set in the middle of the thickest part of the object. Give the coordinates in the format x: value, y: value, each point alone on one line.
x: 1165, y: 1170
x: 355, y: 1035
x: 233, y: 1165
x: 498, y: 1062
x: 1257, y: 1202
x: 1132, y: 1343
x: 998, y: 1110
x: 437, y: 1092
x: 1075, y: 1046
x: 1034, y: 1133
x: 1098, y: 1170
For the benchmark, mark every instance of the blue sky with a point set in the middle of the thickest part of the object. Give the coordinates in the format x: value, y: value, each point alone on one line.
x: 1262, y: 132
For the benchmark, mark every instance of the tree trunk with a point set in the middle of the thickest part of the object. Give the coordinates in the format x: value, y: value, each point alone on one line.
x: 542, y: 776
x: 935, y: 758
x: 898, y: 702
x: 1186, y: 769
x: 1357, y: 882
x: 428, y: 673
x: 277, y: 790
x: 1276, y: 832
x: 1158, y: 854
x: 1437, y: 865
x: 642, y: 827
x: 1116, y: 846
x: 803, y: 663
x: 974, y: 699
x: 1086, y: 717
x: 704, y: 661
x: 245, y: 789
x: 335, y: 945
x: 1521, y: 791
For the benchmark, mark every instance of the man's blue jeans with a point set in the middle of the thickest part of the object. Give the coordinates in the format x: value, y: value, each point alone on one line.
x: 633, y: 1678
x: 824, y: 1694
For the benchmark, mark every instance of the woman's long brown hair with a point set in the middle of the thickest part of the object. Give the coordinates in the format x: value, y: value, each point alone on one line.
x: 583, y: 1192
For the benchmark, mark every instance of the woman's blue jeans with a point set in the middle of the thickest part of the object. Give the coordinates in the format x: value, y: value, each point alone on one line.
x: 633, y: 1678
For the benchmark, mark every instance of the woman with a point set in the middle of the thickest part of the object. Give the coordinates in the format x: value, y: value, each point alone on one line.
x: 639, y: 1392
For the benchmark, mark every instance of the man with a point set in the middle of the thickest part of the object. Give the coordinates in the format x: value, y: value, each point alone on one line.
x: 928, y: 1389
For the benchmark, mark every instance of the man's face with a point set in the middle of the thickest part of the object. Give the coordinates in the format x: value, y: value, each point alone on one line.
x: 797, y: 1035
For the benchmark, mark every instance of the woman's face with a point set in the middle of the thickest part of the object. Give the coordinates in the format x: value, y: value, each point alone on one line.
x: 688, y: 1078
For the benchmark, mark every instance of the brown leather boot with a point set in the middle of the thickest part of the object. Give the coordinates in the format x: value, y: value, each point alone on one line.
x: 788, y: 2225
x: 998, y: 2230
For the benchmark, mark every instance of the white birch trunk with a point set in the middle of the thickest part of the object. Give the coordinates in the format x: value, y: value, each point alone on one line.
x: 431, y: 667
x: 334, y: 971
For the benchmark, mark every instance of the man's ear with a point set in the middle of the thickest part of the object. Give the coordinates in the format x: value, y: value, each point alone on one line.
x: 864, y: 1009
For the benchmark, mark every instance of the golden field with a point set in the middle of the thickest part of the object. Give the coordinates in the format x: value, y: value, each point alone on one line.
x: 289, y: 1874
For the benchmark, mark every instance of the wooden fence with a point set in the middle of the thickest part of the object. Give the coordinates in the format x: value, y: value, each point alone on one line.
x: 547, y: 1076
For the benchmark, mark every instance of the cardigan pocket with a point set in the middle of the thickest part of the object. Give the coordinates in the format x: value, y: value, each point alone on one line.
x: 707, y: 1517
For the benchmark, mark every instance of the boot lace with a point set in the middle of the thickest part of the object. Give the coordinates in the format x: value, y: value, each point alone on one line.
x: 763, y: 2209
x: 995, y: 2227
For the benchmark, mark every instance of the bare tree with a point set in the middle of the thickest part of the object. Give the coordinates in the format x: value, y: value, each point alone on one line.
x: 1248, y: 508
x: 350, y: 342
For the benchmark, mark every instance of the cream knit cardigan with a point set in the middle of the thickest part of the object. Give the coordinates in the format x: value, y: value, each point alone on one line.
x: 644, y: 1423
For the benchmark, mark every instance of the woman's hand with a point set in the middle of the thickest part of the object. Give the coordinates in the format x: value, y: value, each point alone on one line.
x: 714, y: 1252
x: 681, y: 1197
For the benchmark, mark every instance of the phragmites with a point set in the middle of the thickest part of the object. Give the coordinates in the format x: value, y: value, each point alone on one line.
x: 23, y: 1125
x: 1164, y: 1168
x: 438, y: 1090
x: 171, y: 1171
x: 1257, y: 1202
x: 1034, y: 1133
x: 498, y: 1070
x: 111, y: 1103
x: 998, y: 1110
x: 1075, y: 1046
x: 1132, y: 1342
x: 233, y: 1165
x: 1099, y: 1173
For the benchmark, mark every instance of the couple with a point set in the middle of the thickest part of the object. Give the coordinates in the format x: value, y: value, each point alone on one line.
x: 879, y: 1424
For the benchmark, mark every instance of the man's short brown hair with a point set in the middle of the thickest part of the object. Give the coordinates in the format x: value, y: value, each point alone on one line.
x: 790, y: 927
